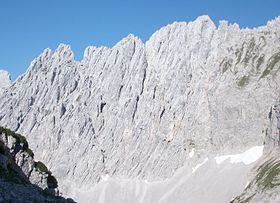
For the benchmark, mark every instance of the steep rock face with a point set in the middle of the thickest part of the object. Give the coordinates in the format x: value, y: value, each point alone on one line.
x: 264, y: 180
x: 138, y: 110
x: 5, y: 80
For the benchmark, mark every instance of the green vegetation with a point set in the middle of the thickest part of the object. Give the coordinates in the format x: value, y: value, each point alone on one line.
x: 269, y: 175
x: 238, y: 54
x: 8, y: 172
x: 41, y: 167
x: 260, y: 61
x: 242, y: 199
x: 18, y: 137
x: 30, y: 152
x: 272, y: 62
x: 226, y: 64
x: 78, y: 98
x: 243, y: 81
x: 250, y: 51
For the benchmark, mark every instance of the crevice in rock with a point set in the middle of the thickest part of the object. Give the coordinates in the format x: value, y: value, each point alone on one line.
x: 102, y: 106
x: 116, y: 58
x: 53, y: 76
x: 134, y: 48
x: 155, y: 89
x: 62, y: 110
x: 31, y: 101
x: 135, y: 108
x: 120, y: 91
x: 160, y: 43
x: 58, y: 94
x: 74, y: 87
x: 161, y: 114
x: 101, y: 126
x: 143, y: 81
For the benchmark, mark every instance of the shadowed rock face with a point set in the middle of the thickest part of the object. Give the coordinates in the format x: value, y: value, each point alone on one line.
x: 21, y: 178
x: 138, y: 109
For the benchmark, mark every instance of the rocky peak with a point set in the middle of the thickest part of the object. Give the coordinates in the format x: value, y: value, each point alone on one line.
x: 5, y: 80
x: 63, y: 53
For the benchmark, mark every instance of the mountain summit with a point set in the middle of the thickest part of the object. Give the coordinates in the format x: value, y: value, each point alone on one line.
x: 170, y: 120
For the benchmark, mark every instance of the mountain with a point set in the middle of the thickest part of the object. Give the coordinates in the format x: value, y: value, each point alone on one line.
x: 170, y: 120
x: 21, y: 178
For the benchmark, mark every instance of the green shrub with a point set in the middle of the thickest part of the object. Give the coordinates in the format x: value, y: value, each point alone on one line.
x: 11, y: 174
x: 41, y: 167
x: 243, y: 81
x: 268, y: 176
x: 17, y: 136
x: 271, y: 64
x: 30, y: 152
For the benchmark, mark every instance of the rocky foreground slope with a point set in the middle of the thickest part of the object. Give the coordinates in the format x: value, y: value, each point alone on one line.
x: 21, y: 178
x: 143, y: 110
x: 264, y: 185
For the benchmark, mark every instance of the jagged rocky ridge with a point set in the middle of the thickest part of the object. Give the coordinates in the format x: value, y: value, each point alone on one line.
x: 21, y: 178
x: 138, y: 109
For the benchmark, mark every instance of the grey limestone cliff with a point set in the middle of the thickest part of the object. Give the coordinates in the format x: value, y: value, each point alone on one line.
x: 137, y: 110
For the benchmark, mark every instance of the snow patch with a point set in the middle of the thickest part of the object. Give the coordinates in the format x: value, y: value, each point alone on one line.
x: 199, y: 165
x: 247, y: 157
x: 191, y: 154
x: 105, y: 177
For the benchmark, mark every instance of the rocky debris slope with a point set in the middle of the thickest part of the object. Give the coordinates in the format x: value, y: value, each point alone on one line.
x: 265, y: 184
x: 215, y: 179
x: 138, y: 109
x: 21, y: 178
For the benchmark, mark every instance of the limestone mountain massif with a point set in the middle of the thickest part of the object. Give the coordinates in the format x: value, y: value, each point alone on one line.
x: 149, y: 122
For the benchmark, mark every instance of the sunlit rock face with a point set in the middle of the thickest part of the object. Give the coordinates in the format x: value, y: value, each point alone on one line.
x: 137, y: 110
x: 5, y: 80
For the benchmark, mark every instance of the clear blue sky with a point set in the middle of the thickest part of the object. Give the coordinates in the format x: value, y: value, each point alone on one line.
x: 29, y: 26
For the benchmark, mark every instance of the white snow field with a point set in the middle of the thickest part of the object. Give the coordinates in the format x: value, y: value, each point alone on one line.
x: 248, y: 157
